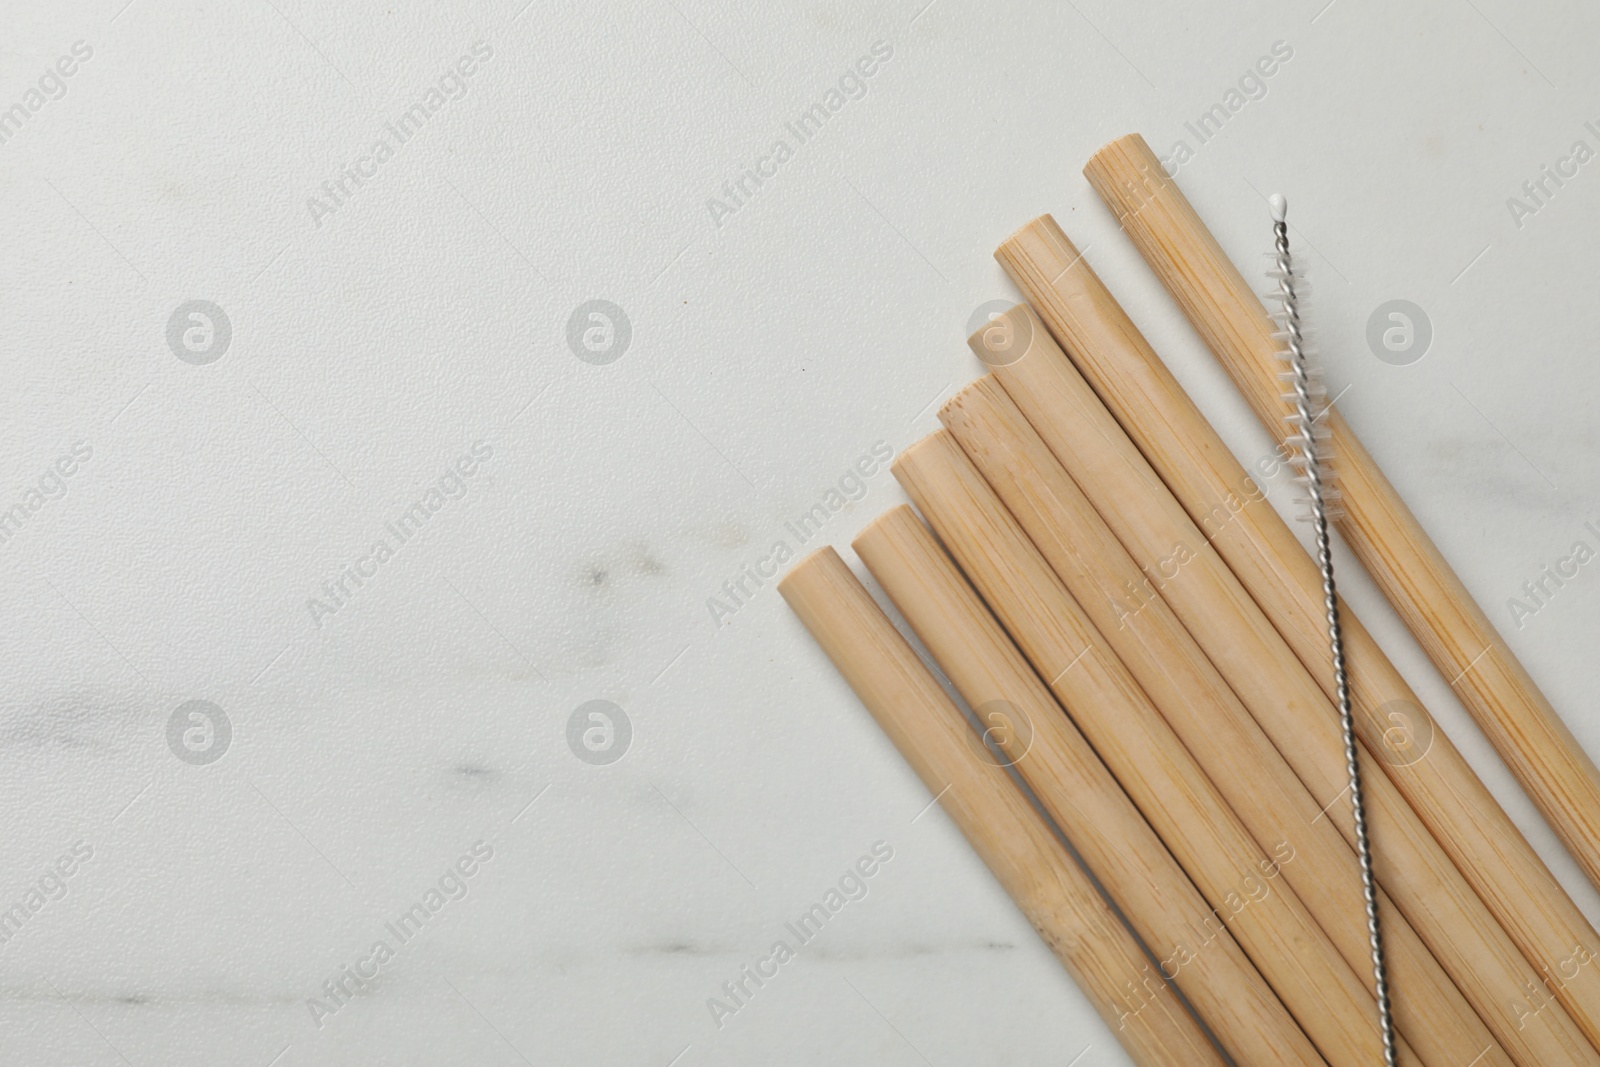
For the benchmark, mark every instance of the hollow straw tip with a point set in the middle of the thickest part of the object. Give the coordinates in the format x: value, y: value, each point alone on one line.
x: 884, y: 525
x: 1040, y: 227
x: 983, y: 391
x: 975, y: 340
x: 1112, y: 165
x: 822, y: 558
x: 940, y: 440
x: 1132, y: 144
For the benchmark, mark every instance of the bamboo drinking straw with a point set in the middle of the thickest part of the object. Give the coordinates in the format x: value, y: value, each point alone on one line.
x: 1180, y: 803
x: 1446, y: 621
x: 1055, y: 895
x: 1249, y: 773
x: 1184, y: 572
x: 1116, y: 844
x: 1263, y: 553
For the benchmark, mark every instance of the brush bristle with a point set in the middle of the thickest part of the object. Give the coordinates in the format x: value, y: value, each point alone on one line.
x: 1321, y: 452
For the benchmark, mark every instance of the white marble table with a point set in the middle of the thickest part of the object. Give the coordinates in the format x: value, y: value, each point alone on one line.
x: 392, y: 213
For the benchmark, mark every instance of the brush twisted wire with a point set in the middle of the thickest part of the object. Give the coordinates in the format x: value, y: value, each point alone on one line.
x: 1305, y: 420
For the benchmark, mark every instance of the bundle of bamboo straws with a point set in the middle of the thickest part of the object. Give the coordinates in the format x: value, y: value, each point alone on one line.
x: 1141, y: 640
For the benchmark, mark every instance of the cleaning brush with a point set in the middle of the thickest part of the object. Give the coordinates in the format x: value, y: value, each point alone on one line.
x: 1308, y: 443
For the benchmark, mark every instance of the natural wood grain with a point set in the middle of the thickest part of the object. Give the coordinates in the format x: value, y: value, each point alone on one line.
x: 1180, y: 803
x: 1025, y: 857
x: 1229, y: 509
x: 1178, y: 568
x: 1532, y: 739
x: 1115, y: 842
x: 1226, y: 741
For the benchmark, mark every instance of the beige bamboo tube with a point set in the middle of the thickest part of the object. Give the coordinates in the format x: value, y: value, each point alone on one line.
x: 1181, y: 570
x: 1076, y: 790
x: 1538, y: 747
x: 1051, y: 890
x: 1268, y: 920
x: 1281, y: 578
x: 1216, y: 728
